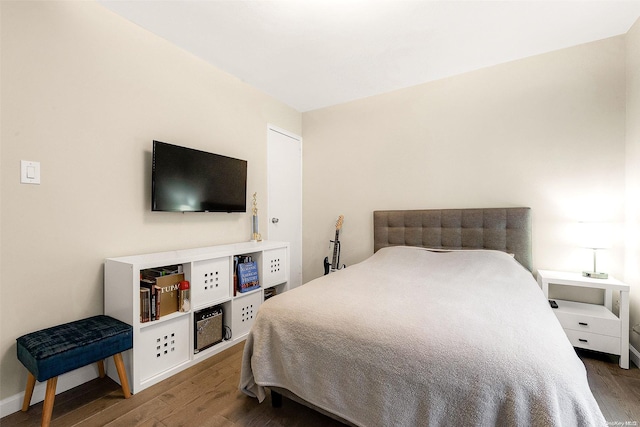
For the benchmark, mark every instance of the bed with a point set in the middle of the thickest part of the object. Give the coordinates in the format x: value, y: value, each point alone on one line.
x: 443, y: 325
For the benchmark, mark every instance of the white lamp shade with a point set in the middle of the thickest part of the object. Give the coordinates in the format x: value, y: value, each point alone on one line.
x: 595, y: 235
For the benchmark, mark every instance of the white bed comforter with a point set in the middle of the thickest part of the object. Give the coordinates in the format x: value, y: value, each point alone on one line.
x: 412, y: 337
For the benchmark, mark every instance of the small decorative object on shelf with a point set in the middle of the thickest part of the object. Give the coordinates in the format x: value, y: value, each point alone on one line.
x: 255, y: 235
x: 183, y: 296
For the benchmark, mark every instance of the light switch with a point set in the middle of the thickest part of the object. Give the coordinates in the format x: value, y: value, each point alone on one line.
x: 29, y: 172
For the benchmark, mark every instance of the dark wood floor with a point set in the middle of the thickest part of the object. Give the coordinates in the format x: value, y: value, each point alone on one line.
x: 616, y: 390
x: 207, y: 395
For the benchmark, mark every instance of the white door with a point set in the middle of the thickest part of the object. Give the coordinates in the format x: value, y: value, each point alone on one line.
x: 284, y: 187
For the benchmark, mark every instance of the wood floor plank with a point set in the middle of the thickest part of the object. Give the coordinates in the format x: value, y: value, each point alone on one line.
x: 143, y: 414
x: 207, y: 395
x: 121, y: 410
x: 616, y: 390
x: 597, y: 386
x: 90, y: 407
x: 212, y: 399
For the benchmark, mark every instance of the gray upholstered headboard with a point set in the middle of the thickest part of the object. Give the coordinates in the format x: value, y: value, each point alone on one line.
x: 504, y: 229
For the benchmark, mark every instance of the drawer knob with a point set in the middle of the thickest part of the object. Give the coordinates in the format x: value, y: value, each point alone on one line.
x: 582, y: 340
x: 583, y: 324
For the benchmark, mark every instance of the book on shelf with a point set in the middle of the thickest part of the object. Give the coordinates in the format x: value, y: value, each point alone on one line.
x: 154, y: 299
x: 168, y: 270
x: 235, y: 275
x: 168, y: 292
x: 248, y: 276
x: 144, y: 305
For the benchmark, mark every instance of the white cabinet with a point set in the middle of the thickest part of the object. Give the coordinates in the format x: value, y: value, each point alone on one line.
x: 210, y: 281
x: 164, y: 347
x: 161, y: 346
x: 245, y: 308
x: 592, y: 326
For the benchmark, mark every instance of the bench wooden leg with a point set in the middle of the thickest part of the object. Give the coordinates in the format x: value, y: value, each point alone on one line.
x: 28, y: 392
x: 101, y: 368
x: 122, y: 374
x: 49, y: 397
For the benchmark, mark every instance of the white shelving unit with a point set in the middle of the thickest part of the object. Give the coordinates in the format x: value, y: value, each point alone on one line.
x: 164, y: 347
x: 592, y: 326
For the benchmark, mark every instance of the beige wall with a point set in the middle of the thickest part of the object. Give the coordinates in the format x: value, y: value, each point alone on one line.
x: 546, y: 132
x: 85, y: 92
x: 632, y: 259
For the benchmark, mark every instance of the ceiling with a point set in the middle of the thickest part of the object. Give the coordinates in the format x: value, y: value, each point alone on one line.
x: 311, y: 54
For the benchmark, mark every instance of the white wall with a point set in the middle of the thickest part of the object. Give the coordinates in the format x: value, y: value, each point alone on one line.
x: 85, y: 92
x: 546, y: 132
x: 632, y: 259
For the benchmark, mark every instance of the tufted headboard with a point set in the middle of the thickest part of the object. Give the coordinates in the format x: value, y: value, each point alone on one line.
x: 504, y: 229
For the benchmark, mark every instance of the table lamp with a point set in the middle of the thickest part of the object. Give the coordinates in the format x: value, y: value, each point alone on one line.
x: 595, y: 235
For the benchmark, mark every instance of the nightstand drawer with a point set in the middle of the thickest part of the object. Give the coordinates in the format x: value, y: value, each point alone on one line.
x: 587, y: 318
x: 603, y: 343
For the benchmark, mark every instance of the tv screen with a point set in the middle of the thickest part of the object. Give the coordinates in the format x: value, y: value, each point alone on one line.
x: 189, y: 180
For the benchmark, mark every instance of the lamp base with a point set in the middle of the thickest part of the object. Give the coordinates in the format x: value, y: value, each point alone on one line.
x: 595, y: 275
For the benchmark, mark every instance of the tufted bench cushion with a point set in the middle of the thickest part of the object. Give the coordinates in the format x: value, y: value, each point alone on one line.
x: 54, y: 351
x: 63, y: 348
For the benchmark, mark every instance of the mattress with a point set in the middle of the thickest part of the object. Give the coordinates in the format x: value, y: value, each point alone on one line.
x: 413, y: 336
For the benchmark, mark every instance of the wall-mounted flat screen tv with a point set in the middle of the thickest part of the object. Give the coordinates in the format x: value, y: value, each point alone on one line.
x: 189, y: 180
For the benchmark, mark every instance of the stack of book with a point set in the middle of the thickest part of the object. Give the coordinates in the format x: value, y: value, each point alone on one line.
x: 159, y: 292
x: 270, y: 292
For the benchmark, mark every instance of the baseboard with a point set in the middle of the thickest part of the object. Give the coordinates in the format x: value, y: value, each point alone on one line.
x: 634, y: 355
x: 65, y: 382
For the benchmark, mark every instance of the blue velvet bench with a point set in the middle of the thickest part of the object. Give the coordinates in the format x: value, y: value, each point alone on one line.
x: 63, y: 348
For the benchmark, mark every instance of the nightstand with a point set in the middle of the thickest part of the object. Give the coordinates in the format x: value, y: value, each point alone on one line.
x: 592, y: 326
